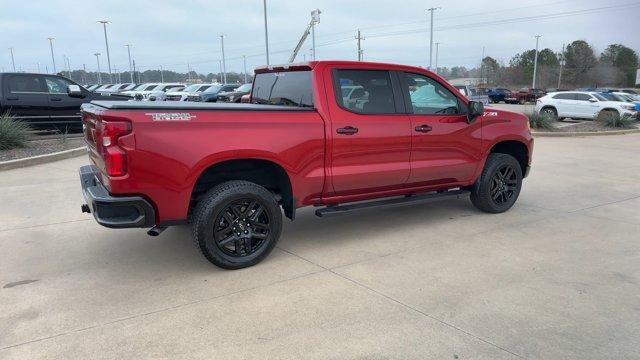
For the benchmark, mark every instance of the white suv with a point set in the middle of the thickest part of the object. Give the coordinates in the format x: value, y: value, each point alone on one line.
x: 581, y: 105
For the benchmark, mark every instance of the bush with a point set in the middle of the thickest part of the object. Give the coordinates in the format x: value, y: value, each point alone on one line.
x: 542, y: 122
x: 613, y: 120
x: 13, y: 133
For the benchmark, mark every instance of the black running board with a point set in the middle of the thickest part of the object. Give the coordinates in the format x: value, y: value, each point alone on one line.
x: 396, y: 201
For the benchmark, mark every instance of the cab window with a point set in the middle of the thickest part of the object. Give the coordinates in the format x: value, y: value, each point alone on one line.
x: 26, y: 84
x: 365, y: 91
x: 429, y: 97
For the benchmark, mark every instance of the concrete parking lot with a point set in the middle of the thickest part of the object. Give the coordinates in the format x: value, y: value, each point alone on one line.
x: 556, y: 277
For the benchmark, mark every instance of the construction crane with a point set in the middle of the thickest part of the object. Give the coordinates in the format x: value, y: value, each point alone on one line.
x: 315, y: 19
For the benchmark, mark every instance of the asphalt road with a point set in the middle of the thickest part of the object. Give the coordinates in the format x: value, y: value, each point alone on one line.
x: 556, y: 277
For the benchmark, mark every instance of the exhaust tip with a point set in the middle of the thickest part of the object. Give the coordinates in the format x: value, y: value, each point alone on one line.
x: 156, y: 230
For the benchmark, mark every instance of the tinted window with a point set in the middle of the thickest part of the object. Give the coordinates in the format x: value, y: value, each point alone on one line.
x: 372, y: 91
x: 26, y: 83
x: 564, y: 96
x: 57, y: 85
x: 290, y: 88
x: 583, y: 97
x: 429, y: 96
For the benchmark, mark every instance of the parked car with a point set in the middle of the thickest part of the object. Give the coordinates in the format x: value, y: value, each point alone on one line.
x: 118, y: 88
x: 184, y: 93
x: 631, y: 98
x: 236, y: 95
x: 92, y: 87
x: 498, y: 95
x: 230, y: 168
x: 154, y: 92
x: 524, y: 95
x: 582, y: 105
x: 140, y: 88
x: 211, y: 93
x: 45, y: 101
x: 474, y: 93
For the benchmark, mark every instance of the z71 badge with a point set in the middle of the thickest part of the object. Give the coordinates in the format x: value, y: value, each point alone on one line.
x: 170, y: 116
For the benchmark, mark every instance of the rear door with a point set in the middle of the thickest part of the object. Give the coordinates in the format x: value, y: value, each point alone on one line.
x: 565, y: 103
x: 26, y: 97
x: 371, y: 137
x: 444, y: 147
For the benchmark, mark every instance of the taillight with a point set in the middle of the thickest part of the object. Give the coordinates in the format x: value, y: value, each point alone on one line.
x: 115, y: 157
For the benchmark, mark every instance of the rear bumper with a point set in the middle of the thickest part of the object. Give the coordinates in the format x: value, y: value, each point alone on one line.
x: 110, y: 211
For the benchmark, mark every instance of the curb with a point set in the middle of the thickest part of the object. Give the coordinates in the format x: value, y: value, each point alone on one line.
x: 587, y: 133
x: 42, y: 159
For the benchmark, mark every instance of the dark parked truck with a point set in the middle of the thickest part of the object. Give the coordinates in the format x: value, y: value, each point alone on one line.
x: 230, y: 170
x: 523, y: 96
x: 44, y: 100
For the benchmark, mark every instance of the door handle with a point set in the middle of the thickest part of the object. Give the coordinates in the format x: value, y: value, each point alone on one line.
x: 423, y: 128
x: 12, y: 98
x: 56, y: 99
x: 348, y: 130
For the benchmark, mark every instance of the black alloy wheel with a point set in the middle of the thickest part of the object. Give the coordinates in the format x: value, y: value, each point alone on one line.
x: 242, y: 227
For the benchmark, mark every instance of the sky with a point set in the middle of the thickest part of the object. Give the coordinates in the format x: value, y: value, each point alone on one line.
x: 181, y: 34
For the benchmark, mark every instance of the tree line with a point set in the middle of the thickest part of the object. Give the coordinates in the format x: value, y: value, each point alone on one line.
x: 577, y: 66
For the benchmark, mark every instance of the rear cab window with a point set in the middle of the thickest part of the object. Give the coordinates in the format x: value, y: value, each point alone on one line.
x: 26, y: 84
x: 287, y: 88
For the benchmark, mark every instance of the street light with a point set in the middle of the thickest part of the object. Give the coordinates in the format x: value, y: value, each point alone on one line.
x: 130, y: 66
x: 224, y: 65
x: 13, y: 62
x: 315, y: 19
x: 535, y: 62
x: 266, y: 31
x: 106, y: 42
x: 53, y: 59
x: 431, y: 10
x: 97, y: 55
x: 437, y: 48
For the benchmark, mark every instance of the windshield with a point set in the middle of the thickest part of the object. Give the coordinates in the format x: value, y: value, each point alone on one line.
x: 612, y: 97
x: 600, y: 97
x: 244, y: 88
x: 139, y: 87
x: 213, y: 89
x: 192, y: 88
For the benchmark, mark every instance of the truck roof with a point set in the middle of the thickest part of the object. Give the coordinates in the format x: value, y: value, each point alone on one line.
x: 310, y: 65
x: 184, y: 105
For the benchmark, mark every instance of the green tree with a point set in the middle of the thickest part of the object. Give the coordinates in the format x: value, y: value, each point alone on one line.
x: 490, y: 68
x: 547, y: 59
x: 580, y: 59
x: 624, y: 59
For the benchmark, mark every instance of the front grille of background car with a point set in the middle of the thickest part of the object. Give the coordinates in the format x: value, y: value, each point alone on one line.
x: 174, y: 97
x: 193, y: 98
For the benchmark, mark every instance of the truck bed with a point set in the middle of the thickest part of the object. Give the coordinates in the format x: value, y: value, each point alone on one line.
x: 186, y: 105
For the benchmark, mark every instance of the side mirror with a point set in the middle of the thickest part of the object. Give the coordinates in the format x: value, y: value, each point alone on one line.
x: 593, y: 100
x: 475, y: 109
x: 74, y: 91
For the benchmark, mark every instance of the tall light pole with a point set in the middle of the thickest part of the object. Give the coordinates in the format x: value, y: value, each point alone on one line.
x: 13, y: 62
x: 130, y: 66
x: 561, y: 66
x: 360, y: 51
x: 97, y: 55
x: 244, y: 64
x: 106, y: 43
x: 315, y: 16
x: 535, y: 62
x: 68, y: 67
x: 266, y: 31
x: 437, y: 48
x: 431, y: 10
x: 161, y: 74
x: 224, y: 64
x: 53, y: 58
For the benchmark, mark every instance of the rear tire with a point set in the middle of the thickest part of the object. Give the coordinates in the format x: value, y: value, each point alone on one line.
x: 236, y: 224
x: 498, y: 187
x: 551, y: 112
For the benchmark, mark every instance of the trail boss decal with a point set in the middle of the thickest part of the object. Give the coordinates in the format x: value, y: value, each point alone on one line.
x: 490, y: 113
x: 171, y: 116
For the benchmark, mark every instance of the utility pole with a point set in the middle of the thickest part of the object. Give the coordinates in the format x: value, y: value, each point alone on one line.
x: 134, y: 72
x: 360, y: 51
x: 482, y: 67
x: 437, y: 48
x: 561, y: 66
x: 266, y: 31
x: 69, y: 67
x: 315, y: 16
x: 431, y: 10
x: 220, y: 73
x: 244, y: 64
x: 224, y: 64
x: 97, y: 55
x: 106, y: 43
x: 161, y: 74
x: 53, y: 59
x: 130, y: 66
x: 84, y: 74
x: 13, y: 62
x: 535, y: 62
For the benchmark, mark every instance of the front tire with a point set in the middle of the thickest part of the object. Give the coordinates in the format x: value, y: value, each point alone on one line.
x: 551, y: 112
x: 236, y: 224
x: 498, y: 187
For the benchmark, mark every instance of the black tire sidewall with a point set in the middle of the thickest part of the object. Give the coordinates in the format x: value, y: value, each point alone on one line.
x: 481, y: 192
x: 217, y: 202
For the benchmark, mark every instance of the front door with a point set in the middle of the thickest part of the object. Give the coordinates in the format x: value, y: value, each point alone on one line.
x: 371, y: 137
x: 445, y: 148
x: 26, y: 98
x: 65, y: 110
x: 586, y: 106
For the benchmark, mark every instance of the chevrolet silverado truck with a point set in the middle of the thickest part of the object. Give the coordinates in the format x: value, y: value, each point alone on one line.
x: 231, y: 170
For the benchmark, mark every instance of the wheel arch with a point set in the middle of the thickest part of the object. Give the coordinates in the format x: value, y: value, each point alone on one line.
x: 264, y: 172
x: 515, y: 148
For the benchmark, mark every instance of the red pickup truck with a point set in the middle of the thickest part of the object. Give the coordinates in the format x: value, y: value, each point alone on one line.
x: 337, y: 135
